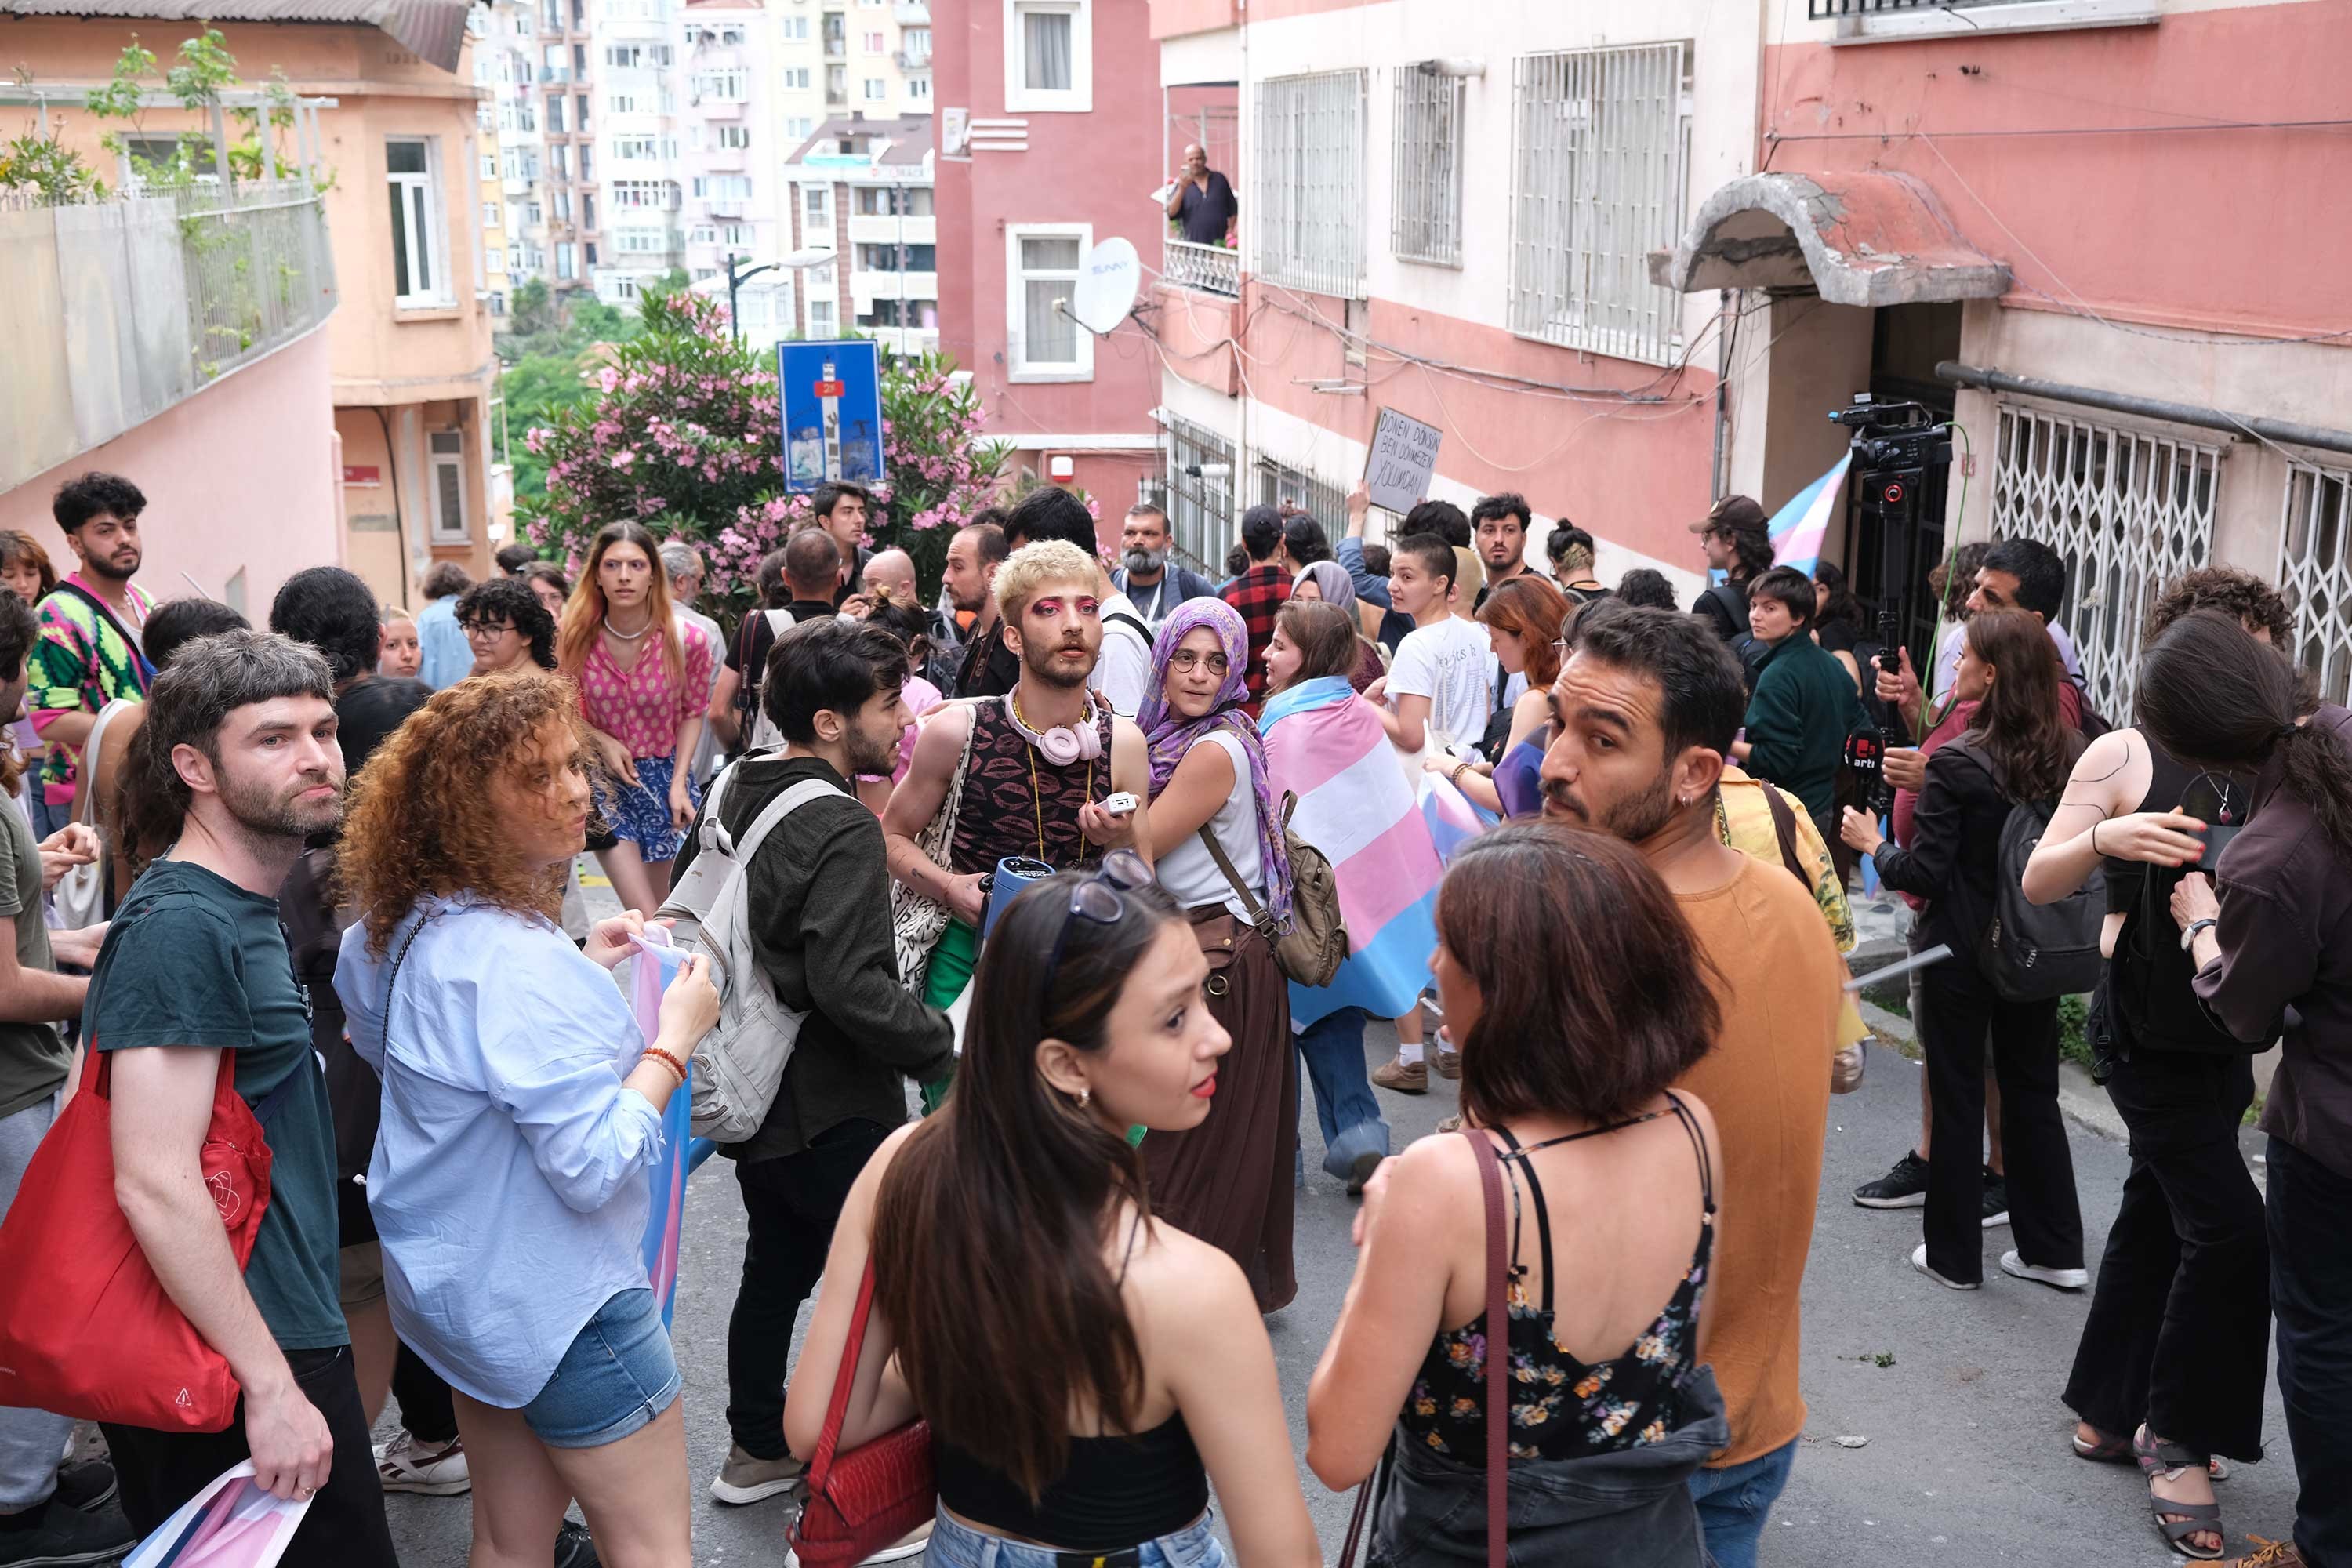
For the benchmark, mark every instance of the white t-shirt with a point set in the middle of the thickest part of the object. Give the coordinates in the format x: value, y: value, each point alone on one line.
x: 1189, y: 872
x: 1451, y: 663
x: 1123, y: 668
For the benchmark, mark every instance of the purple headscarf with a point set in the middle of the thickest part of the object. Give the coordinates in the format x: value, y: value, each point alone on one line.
x: 1169, y: 734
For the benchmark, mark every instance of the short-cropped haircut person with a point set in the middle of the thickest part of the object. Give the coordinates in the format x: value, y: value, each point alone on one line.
x: 173, y: 623
x: 335, y: 612
x: 1702, y: 692
x: 1788, y: 587
x: 1034, y: 566
x: 1049, y: 511
x: 1431, y: 553
x: 830, y: 663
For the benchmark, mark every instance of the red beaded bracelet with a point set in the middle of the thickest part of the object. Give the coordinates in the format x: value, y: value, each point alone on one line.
x: 667, y: 1061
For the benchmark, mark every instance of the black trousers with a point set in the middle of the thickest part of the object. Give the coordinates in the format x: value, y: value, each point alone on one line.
x: 1960, y: 1006
x: 791, y: 1203
x: 345, y: 1527
x: 2311, y: 1294
x: 2177, y: 1329
x: 426, y: 1411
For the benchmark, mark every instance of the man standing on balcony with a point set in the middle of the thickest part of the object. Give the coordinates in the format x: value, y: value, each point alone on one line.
x: 1203, y: 201
x: 89, y: 653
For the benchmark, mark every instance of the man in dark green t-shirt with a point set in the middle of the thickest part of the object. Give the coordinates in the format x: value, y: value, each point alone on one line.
x: 239, y: 742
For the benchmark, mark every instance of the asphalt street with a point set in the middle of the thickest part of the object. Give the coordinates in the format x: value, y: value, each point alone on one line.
x: 1964, y: 1455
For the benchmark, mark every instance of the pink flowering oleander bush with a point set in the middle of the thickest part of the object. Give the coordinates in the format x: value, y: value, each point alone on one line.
x: 682, y: 433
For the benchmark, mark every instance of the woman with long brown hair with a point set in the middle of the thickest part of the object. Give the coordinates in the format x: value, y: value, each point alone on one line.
x: 2017, y: 750
x: 1086, y: 1369
x: 1549, y: 947
x: 644, y: 680
x: 1525, y: 616
x: 522, y: 1106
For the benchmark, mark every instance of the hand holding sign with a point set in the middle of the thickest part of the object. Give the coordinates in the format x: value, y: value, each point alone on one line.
x: 1403, y: 459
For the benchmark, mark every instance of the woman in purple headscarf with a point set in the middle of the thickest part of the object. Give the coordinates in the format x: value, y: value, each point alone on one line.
x: 1229, y: 1181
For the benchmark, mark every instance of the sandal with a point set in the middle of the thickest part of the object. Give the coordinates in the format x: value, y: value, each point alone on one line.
x: 2119, y: 1451
x: 2160, y: 1460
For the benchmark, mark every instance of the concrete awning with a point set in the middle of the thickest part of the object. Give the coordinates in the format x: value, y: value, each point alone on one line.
x: 1857, y: 239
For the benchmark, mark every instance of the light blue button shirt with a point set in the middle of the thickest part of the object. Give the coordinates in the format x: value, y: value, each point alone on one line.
x: 443, y: 655
x: 509, y: 1185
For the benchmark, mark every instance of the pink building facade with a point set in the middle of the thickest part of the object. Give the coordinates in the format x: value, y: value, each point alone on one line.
x: 1049, y: 144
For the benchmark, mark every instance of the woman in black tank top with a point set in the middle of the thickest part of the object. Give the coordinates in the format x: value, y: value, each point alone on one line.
x: 1568, y: 1047
x: 1086, y: 1371
x: 2174, y: 1349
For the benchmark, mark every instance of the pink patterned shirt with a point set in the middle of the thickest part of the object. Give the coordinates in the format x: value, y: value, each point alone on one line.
x: 641, y: 707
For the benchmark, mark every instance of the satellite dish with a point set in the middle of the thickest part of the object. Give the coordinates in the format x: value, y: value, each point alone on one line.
x: 1105, y: 287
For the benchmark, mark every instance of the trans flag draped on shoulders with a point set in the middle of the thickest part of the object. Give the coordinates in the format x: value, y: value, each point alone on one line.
x: 1327, y: 745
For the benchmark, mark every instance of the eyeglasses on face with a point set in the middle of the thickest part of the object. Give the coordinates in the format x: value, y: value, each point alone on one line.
x: 481, y: 628
x: 1189, y: 659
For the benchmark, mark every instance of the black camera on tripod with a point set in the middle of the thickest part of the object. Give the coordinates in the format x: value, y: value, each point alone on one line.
x: 1895, y: 447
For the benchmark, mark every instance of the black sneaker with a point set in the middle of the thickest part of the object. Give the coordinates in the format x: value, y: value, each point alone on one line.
x: 1904, y: 1187
x: 1996, y: 1199
x: 55, y: 1534
x: 86, y: 1485
x: 574, y: 1548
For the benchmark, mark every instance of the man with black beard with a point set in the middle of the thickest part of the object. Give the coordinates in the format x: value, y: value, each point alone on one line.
x: 239, y: 748
x: 1153, y: 582
x: 1644, y: 712
x: 820, y: 902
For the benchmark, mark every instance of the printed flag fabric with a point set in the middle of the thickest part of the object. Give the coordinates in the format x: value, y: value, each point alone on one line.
x: 657, y: 963
x: 1327, y: 745
x: 1799, y: 528
x: 232, y: 1524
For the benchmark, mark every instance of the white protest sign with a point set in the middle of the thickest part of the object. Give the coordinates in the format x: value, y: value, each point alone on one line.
x: 1403, y: 457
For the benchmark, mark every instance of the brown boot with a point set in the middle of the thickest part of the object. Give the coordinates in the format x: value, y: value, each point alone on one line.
x: 1403, y: 1077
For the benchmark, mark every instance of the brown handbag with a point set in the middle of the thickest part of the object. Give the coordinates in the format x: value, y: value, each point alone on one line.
x: 1311, y: 947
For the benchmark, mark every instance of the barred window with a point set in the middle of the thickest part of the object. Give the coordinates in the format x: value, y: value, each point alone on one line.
x: 1309, y: 196
x: 1279, y: 484
x: 2315, y: 573
x: 1603, y: 156
x: 1425, y: 204
x: 1199, y: 506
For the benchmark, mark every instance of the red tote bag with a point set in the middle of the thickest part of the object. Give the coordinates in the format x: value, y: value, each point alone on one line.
x: 86, y: 1329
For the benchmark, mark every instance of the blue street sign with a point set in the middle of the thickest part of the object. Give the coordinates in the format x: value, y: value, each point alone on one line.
x: 832, y: 396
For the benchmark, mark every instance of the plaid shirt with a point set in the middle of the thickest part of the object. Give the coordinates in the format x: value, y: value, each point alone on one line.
x: 1258, y: 593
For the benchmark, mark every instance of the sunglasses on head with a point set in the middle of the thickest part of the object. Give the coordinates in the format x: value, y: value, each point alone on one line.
x: 1097, y: 899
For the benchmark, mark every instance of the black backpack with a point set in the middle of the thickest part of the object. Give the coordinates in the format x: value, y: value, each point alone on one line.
x: 2036, y: 953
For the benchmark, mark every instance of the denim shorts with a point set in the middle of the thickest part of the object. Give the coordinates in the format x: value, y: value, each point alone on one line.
x: 618, y: 1375
x: 955, y: 1544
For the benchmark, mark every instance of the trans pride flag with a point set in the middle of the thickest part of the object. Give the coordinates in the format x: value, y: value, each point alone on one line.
x: 1327, y: 745
x: 1800, y: 527
x: 656, y: 965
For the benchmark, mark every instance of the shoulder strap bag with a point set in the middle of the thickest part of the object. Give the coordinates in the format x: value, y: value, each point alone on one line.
x: 1311, y: 949
x: 916, y: 920
x: 871, y: 1496
x: 78, y: 899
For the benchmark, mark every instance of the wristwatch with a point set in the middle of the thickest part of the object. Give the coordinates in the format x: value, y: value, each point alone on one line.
x: 2188, y: 932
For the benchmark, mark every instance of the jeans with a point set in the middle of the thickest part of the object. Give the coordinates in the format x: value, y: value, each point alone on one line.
x: 791, y: 1203
x: 30, y: 1440
x: 1333, y: 1049
x: 1734, y: 1501
x: 955, y: 1544
x: 2176, y: 1334
x: 345, y: 1527
x: 2045, y: 1216
x: 46, y: 819
x: 2311, y: 1298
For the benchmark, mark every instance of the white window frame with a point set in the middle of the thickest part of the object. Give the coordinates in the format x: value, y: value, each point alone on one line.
x: 431, y: 247
x: 1016, y: 306
x: 1425, y: 184
x: 1020, y: 98
x: 796, y: 78
x: 1601, y: 178
x: 1308, y: 194
x: 918, y: 90
x: 733, y: 138
x: 876, y: 90
x: 447, y: 531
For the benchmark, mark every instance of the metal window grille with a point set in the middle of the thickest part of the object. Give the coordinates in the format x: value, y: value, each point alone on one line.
x: 2315, y: 573
x: 1425, y: 205
x: 1309, y: 190
x: 2127, y: 510
x: 1818, y: 9
x: 1603, y: 158
x: 1325, y: 503
x: 1199, y: 507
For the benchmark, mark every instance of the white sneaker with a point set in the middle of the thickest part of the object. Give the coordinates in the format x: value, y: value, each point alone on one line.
x: 907, y: 1545
x: 1919, y: 1261
x: 403, y: 1466
x: 2057, y: 1278
x: 743, y: 1480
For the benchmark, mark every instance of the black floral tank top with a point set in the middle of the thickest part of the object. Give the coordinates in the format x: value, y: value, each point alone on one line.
x: 1012, y: 797
x: 1562, y: 1408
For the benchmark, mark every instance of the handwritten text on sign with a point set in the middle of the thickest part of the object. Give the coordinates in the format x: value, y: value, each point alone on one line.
x: 1403, y: 457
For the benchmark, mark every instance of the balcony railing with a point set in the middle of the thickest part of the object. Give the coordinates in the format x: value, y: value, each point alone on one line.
x: 150, y: 298
x: 913, y: 13
x: 915, y: 59
x: 1209, y: 268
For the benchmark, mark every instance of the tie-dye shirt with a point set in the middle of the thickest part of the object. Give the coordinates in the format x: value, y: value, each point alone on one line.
x: 79, y: 665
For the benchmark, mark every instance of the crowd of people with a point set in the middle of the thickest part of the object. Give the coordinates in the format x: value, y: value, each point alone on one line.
x: 1062, y: 882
